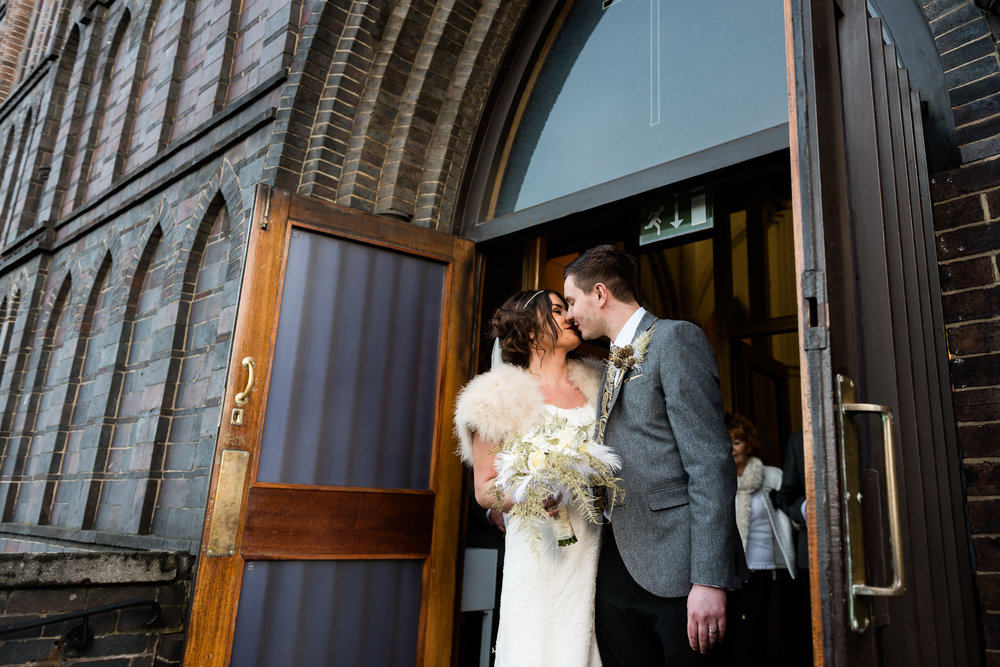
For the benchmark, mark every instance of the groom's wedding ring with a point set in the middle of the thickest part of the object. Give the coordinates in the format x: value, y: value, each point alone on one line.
x: 713, y: 632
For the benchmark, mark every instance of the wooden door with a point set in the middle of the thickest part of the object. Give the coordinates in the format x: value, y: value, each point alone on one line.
x: 332, y: 523
x: 889, y: 557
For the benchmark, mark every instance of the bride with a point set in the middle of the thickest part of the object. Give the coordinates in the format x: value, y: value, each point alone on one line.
x: 547, y: 599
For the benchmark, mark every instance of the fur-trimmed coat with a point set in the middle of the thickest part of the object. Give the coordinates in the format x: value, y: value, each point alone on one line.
x: 507, y: 400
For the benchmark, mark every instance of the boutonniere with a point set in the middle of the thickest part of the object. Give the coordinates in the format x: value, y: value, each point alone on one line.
x: 625, y: 358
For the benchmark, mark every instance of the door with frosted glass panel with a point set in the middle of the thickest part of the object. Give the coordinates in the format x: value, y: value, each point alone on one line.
x: 331, y: 529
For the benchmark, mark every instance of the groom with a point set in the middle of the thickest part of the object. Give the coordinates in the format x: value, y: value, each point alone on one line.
x: 672, y: 549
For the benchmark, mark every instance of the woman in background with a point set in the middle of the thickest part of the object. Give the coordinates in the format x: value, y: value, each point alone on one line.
x: 766, y: 533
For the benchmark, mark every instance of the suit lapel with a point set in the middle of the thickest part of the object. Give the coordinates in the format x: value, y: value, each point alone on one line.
x: 647, y: 321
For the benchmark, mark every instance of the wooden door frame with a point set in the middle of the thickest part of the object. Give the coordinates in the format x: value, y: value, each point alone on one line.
x: 214, y: 605
x: 819, y: 204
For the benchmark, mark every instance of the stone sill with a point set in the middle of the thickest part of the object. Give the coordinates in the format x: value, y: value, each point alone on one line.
x: 75, y: 569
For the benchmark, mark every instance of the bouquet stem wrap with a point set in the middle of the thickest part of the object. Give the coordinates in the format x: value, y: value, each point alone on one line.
x: 564, y: 528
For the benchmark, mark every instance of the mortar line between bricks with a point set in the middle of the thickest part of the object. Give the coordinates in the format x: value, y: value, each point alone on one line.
x: 963, y: 258
x: 987, y: 320
x: 969, y: 289
x: 973, y: 356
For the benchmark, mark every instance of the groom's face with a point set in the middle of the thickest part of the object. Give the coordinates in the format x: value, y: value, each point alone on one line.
x: 584, y: 310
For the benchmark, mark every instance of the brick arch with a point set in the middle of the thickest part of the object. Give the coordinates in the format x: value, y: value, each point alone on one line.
x: 366, y: 154
x: 355, y: 31
x: 391, y: 69
x: 16, y: 469
x: 68, y: 480
x: 7, y: 171
x: 10, y: 217
x: 119, y: 419
x: 186, y: 422
x: 967, y: 46
x: 223, y: 188
x: 396, y: 167
x: 328, y: 31
x: 147, y: 13
x: 74, y: 120
x: 101, y: 156
x: 146, y: 130
x: 51, y: 131
x: 431, y: 92
x: 195, y: 101
x: 55, y: 30
x: 11, y: 303
x: 461, y: 111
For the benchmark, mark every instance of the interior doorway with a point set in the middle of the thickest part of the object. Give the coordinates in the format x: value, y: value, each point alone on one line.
x: 732, y: 274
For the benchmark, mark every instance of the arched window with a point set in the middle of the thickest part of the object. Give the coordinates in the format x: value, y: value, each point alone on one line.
x: 627, y: 87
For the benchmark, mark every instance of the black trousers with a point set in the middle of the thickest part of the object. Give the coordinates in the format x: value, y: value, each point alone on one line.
x: 634, y: 627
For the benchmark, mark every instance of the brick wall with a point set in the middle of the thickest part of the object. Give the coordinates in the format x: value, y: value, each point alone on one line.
x: 967, y: 227
x: 967, y: 224
x: 120, y: 263
x: 35, y: 587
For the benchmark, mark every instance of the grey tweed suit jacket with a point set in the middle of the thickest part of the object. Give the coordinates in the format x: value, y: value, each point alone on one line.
x: 677, y: 524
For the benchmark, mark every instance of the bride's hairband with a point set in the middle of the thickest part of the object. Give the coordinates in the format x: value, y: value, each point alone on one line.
x: 496, y: 358
x: 531, y: 298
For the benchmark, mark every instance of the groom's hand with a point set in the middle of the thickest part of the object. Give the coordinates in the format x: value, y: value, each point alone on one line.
x: 706, y: 607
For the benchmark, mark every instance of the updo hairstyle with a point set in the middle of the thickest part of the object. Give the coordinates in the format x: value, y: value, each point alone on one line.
x: 521, y: 322
x: 741, y: 428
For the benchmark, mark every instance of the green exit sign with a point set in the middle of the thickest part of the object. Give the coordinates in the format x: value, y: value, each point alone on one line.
x: 674, y: 216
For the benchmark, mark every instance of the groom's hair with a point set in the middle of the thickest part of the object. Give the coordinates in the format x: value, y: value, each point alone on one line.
x: 606, y: 264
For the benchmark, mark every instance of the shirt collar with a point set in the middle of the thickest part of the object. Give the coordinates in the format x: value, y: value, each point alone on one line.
x: 627, y: 332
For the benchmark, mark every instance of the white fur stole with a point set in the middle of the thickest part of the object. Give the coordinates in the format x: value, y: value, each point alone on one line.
x: 507, y: 400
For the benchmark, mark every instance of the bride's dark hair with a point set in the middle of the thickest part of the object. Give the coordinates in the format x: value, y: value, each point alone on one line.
x: 521, y: 322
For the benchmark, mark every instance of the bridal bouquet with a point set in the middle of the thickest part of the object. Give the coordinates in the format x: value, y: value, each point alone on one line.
x: 556, y: 459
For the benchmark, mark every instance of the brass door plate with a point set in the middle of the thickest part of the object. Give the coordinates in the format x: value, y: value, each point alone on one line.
x: 228, y: 503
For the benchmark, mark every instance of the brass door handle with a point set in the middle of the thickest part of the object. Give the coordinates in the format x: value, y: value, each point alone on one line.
x: 244, y: 396
x: 892, y: 496
x: 852, y: 500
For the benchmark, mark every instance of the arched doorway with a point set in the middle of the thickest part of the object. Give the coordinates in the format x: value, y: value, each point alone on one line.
x: 544, y: 189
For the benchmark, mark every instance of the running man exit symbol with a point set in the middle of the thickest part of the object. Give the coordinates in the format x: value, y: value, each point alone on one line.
x: 692, y: 212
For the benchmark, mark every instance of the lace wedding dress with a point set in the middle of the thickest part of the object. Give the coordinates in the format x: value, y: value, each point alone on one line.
x: 547, y: 600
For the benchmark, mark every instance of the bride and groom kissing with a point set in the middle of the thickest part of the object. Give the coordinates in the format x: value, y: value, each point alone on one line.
x: 648, y: 586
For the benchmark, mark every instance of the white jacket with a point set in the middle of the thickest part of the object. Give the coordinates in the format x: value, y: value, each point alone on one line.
x: 781, y: 525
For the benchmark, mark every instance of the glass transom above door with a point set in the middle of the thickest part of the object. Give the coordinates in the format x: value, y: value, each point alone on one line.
x: 630, y: 84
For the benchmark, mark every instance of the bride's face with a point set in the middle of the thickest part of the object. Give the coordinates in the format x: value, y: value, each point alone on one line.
x: 569, y: 337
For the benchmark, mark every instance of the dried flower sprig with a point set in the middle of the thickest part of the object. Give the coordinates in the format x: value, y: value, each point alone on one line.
x: 559, y: 460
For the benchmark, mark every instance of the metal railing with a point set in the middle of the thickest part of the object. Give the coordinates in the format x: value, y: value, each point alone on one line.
x: 78, y: 638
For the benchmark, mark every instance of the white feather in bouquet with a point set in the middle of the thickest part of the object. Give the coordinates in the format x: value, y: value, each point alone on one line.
x: 556, y: 459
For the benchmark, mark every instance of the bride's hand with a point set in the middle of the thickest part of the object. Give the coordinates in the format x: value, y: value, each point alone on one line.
x: 552, y: 505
